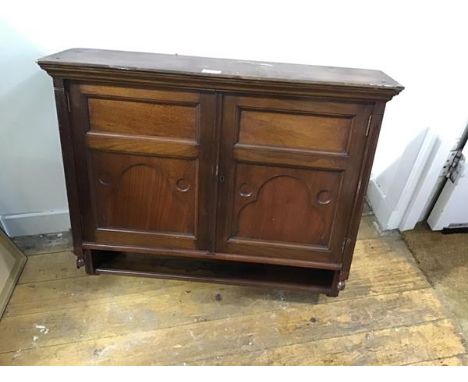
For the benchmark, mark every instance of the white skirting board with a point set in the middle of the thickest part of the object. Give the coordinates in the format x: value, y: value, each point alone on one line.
x: 35, y: 223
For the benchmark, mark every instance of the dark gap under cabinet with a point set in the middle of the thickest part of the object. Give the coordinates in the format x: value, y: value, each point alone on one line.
x: 240, y: 172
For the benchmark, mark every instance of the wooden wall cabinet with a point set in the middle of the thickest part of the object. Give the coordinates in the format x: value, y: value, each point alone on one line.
x: 232, y: 171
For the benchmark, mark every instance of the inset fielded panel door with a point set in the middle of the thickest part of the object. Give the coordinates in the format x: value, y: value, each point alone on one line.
x: 289, y: 171
x: 145, y: 165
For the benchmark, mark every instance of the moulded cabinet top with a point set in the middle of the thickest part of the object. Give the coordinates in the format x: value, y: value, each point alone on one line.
x: 221, y: 69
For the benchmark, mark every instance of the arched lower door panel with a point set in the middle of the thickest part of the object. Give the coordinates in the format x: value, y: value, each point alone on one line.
x: 284, y: 205
x: 289, y: 171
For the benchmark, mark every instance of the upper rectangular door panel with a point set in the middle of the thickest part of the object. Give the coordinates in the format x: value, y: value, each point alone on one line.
x: 293, y: 130
x: 143, y: 112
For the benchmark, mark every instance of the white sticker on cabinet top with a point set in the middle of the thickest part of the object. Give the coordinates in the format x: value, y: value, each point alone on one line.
x: 211, y: 71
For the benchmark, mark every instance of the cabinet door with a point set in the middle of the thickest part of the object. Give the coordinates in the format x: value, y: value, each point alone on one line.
x: 289, y: 171
x: 145, y: 162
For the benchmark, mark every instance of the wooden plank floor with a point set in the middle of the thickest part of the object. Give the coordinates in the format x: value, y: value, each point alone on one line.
x: 444, y: 261
x: 388, y: 314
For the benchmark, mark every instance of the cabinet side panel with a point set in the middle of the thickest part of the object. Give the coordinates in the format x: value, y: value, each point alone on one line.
x: 68, y: 155
x: 365, y: 171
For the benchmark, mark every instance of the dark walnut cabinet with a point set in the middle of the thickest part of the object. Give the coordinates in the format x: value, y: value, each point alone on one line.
x: 231, y: 171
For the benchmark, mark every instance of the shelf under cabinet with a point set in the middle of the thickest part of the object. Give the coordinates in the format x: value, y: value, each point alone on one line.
x: 225, y: 272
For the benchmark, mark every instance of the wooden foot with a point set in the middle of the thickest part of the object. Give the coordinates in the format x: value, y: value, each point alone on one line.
x: 80, y: 262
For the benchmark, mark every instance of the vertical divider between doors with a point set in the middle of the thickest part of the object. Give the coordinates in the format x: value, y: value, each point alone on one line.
x: 216, y: 141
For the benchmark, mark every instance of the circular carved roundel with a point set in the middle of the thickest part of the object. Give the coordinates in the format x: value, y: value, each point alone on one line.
x: 245, y: 190
x: 105, y: 178
x: 182, y: 185
x: 323, y: 197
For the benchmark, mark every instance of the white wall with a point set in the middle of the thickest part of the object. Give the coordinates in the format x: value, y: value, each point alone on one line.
x: 32, y: 192
x: 420, y: 44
